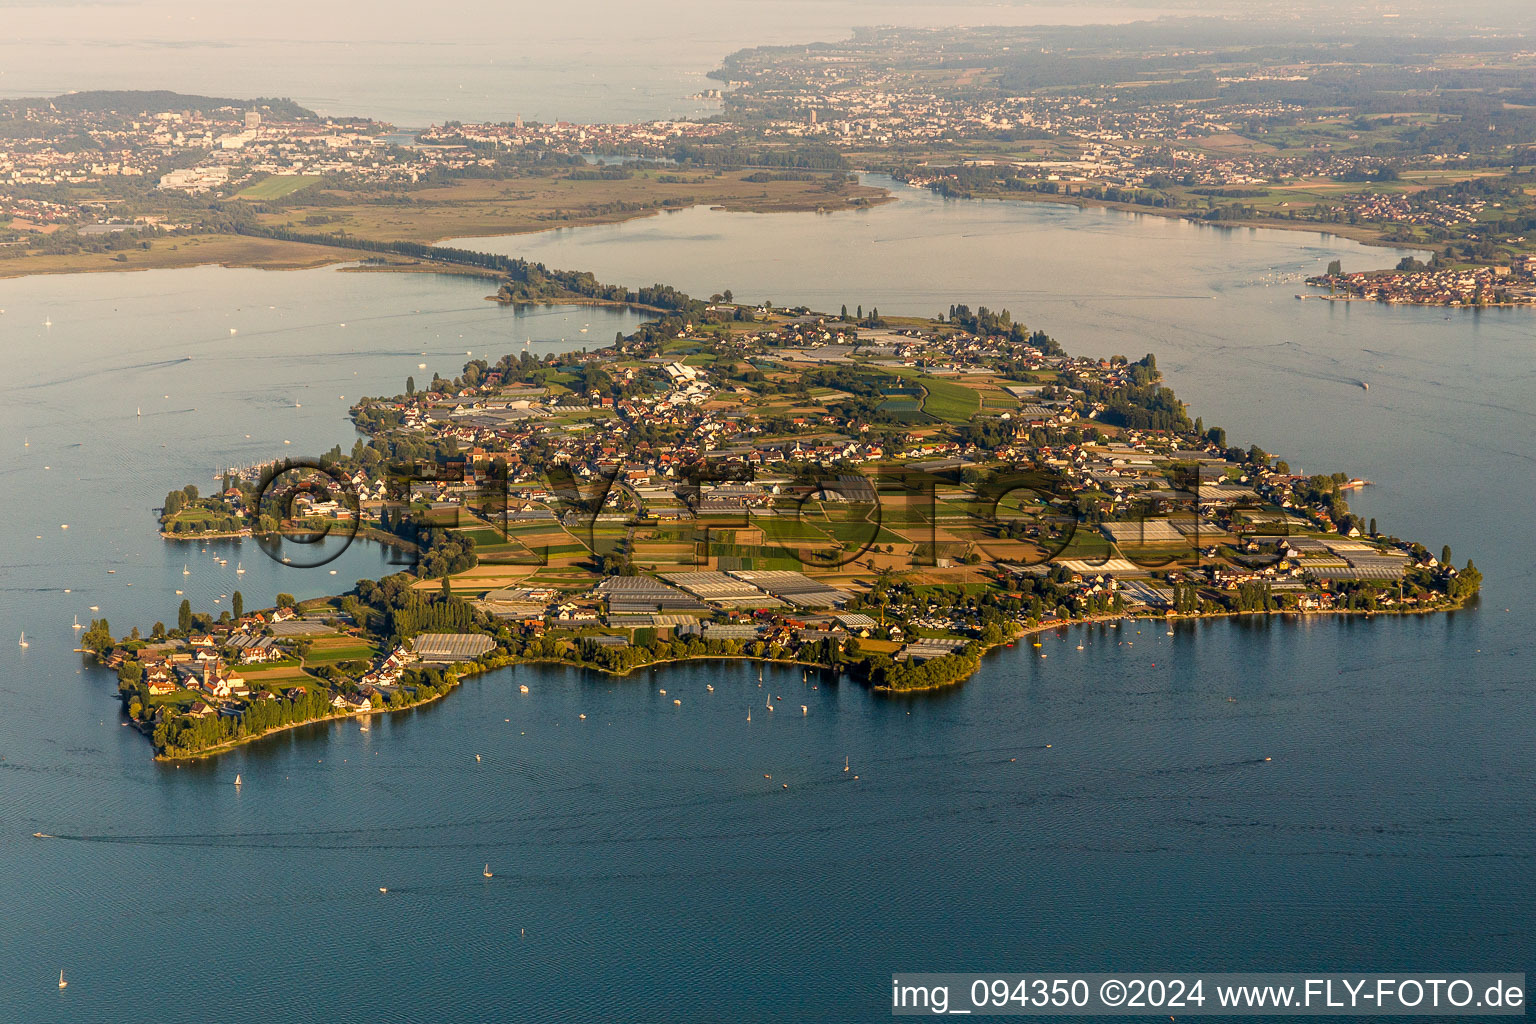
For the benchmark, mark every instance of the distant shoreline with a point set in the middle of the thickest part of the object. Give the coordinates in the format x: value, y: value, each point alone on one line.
x: 1354, y: 233
x: 252, y: 252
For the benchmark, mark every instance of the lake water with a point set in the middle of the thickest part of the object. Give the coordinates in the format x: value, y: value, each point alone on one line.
x: 588, y: 61
x: 645, y: 868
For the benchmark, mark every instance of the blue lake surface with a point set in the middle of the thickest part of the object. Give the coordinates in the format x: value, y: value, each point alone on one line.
x: 1106, y: 809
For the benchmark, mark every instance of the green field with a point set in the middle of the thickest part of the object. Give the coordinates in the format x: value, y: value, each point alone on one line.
x: 329, y: 655
x: 946, y: 400
x: 278, y: 186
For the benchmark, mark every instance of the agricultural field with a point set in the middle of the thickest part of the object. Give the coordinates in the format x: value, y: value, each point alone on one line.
x: 328, y: 650
x: 278, y: 186
x: 482, y: 206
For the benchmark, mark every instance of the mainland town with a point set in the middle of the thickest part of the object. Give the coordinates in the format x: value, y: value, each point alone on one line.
x: 1418, y: 143
x: 881, y: 498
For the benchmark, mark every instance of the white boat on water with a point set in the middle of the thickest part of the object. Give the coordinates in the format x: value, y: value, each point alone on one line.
x: 62, y: 982
x: 184, y: 570
x: 77, y: 623
x: 487, y: 872
x: 23, y: 641
x: 239, y: 569
x: 237, y: 778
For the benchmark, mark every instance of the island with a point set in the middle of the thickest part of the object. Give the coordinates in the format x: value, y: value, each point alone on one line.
x: 882, y: 497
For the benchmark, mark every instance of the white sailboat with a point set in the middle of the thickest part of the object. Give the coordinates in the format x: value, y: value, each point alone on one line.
x: 23, y: 641
x: 237, y: 779
x: 62, y: 982
x: 845, y: 762
x: 77, y: 623
x: 487, y: 871
x: 239, y: 569
x: 184, y: 570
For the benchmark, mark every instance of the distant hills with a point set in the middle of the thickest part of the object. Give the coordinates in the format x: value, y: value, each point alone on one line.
x: 154, y: 101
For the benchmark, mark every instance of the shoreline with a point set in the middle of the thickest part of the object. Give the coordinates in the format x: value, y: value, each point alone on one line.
x: 364, y: 532
x: 229, y: 745
x: 1172, y: 617
x: 246, y: 251
x: 1365, y: 236
x: 474, y: 669
x: 1407, y: 302
x: 283, y: 255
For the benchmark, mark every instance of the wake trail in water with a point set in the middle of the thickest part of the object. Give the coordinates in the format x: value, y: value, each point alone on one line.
x: 109, y: 371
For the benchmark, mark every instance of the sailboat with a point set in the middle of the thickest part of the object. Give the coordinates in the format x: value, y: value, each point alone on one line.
x: 62, y: 982
x: 239, y: 569
x: 23, y: 641
x: 769, y: 705
x: 184, y: 570
x: 237, y: 778
x: 845, y: 762
x: 77, y: 623
x: 487, y: 871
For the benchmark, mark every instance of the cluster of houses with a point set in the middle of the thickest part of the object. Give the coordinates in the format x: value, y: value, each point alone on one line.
x: 645, y: 138
x: 209, y: 666
x: 1513, y: 282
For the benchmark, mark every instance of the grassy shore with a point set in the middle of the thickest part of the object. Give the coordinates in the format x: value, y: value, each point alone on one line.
x: 471, y: 208
x: 182, y: 251
x: 486, y: 207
